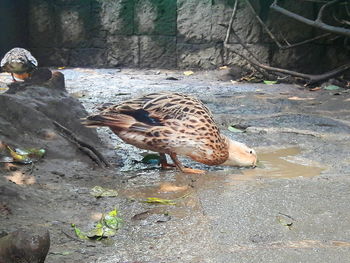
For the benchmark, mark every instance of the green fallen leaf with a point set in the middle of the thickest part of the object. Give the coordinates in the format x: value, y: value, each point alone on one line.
x: 112, y: 220
x: 270, y: 82
x: 284, y: 221
x: 156, y: 200
x: 331, y: 87
x: 63, y: 253
x: 79, y: 233
x: 233, y: 129
x: 36, y: 153
x: 26, y: 156
x: 151, y: 159
x: 106, y: 227
x: 99, y: 191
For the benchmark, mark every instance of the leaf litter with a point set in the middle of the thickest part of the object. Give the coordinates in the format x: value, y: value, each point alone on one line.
x: 9, y: 154
x: 106, y: 227
x: 99, y: 191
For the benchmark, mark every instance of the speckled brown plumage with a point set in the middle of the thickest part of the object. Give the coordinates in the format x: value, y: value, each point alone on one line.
x: 168, y: 123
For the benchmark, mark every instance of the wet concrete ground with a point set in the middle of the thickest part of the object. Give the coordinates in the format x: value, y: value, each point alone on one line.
x: 293, y: 208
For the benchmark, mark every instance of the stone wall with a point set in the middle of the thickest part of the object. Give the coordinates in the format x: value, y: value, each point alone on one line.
x: 164, y: 34
x: 13, y: 21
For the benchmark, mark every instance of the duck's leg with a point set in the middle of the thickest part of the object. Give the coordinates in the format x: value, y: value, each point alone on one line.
x: 13, y: 78
x: 163, y: 162
x: 182, y: 168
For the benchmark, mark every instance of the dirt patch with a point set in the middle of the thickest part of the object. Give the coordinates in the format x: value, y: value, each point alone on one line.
x: 217, y: 215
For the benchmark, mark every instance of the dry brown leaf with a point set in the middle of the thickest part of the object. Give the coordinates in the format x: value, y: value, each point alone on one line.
x: 298, y: 98
x: 315, y: 89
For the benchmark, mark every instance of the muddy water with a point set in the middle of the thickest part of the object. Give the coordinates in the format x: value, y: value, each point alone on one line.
x: 282, y: 164
x: 279, y: 164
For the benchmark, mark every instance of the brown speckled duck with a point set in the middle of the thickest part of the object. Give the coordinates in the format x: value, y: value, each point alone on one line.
x: 173, y: 124
x: 19, y: 62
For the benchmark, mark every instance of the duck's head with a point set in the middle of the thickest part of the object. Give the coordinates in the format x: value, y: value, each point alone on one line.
x: 240, y: 155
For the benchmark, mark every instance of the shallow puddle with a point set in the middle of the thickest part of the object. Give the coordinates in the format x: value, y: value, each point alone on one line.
x: 282, y: 163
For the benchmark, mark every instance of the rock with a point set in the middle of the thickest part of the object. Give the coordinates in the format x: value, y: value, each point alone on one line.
x: 51, y: 56
x: 194, y: 21
x: 25, y: 245
x: 149, y: 33
x: 230, y: 73
x: 155, y: 17
x: 245, y: 24
x: 261, y: 51
x: 83, y: 57
x: 123, y: 50
x: 157, y: 51
x: 37, y: 106
x: 117, y: 17
x: 206, y: 56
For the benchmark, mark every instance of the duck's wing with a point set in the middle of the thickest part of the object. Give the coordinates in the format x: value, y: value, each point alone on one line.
x: 166, y: 122
x: 172, y: 110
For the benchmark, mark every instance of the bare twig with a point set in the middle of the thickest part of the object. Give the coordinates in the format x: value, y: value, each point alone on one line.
x: 273, y: 37
x: 306, y: 41
x: 321, y: 11
x: 89, y: 150
x: 227, y: 38
x: 340, y: 21
x: 309, y: 77
x: 231, y: 22
x: 314, y: 23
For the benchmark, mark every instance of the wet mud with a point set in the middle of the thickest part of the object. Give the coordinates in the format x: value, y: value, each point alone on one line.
x: 226, y: 215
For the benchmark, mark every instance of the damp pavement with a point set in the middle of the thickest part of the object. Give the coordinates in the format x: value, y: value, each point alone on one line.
x: 294, y: 207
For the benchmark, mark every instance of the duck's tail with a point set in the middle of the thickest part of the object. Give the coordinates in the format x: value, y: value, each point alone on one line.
x: 119, y: 121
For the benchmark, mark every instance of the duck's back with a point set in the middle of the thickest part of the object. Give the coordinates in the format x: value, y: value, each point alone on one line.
x: 18, y: 60
x: 176, y: 122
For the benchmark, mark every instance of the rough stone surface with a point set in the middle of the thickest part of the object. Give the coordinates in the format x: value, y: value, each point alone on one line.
x: 37, y: 106
x: 225, y: 215
x: 157, y: 51
x: 261, y: 51
x: 51, y: 56
x: 25, y: 245
x: 294, y: 58
x: 123, y: 51
x: 83, y: 27
x: 198, y: 28
x: 204, y: 56
x: 245, y: 24
x: 41, y: 24
x: 88, y: 56
x: 117, y: 16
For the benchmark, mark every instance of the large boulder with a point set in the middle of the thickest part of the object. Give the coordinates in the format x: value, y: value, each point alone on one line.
x: 28, y: 111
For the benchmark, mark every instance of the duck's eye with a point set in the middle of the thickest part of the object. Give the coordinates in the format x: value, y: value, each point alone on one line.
x: 251, y: 151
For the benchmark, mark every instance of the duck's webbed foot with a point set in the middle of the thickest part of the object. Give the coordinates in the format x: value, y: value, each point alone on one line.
x: 184, y: 169
x: 164, y: 164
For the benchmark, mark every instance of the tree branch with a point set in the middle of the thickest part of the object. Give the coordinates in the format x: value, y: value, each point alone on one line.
x: 309, y: 77
x: 314, y: 23
x: 272, y: 36
x: 321, y: 11
x: 86, y: 148
x: 231, y: 22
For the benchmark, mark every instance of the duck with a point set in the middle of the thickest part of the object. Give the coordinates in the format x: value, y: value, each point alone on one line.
x: 19, y: 62
x: 173, y: 124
